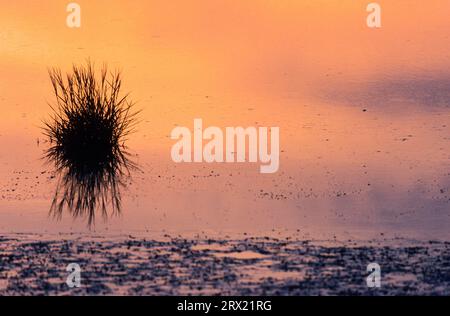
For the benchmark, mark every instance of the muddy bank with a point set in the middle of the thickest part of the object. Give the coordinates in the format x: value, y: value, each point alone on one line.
x: 32, y: 265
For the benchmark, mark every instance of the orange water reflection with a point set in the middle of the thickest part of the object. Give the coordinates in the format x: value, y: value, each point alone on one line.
x: 363, y: 113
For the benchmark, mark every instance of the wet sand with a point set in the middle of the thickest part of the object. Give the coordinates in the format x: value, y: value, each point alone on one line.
x: 35, y: 265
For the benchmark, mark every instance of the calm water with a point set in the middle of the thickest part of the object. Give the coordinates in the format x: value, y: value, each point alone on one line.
x: 364, y: 114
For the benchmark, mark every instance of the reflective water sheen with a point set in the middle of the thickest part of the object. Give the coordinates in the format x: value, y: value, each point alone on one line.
x: 364, y: 114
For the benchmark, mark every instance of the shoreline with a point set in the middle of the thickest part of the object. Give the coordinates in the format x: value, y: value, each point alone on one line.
x: 250, y: 266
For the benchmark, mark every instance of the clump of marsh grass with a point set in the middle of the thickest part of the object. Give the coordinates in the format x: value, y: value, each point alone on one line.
x: 87, y: 132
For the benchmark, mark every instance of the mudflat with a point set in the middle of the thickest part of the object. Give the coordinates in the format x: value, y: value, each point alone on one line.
x: 36, y: 264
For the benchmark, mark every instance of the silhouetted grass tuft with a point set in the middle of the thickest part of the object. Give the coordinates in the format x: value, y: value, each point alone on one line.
x: 87, y: 133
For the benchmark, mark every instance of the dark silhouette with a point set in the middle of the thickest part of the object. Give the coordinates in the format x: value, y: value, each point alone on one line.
x: 87, y: 133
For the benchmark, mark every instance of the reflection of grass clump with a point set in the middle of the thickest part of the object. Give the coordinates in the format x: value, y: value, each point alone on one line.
x: 87, y: 132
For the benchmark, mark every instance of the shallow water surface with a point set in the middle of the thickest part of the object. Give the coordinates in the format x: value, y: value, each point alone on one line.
x: 364, y: 122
